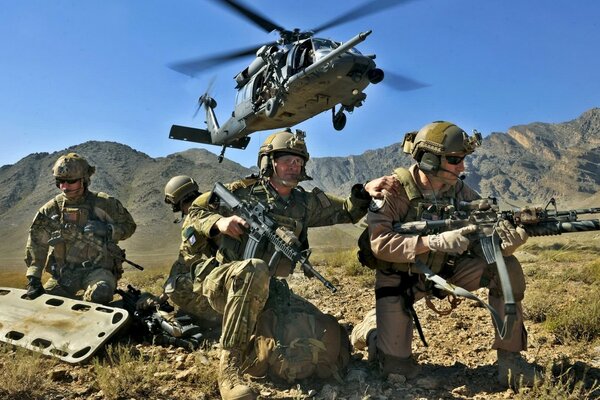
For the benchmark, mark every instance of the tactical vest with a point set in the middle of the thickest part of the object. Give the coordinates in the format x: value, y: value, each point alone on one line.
x: 419, y: 209
x: 75, y: 253
x: 290, y: 213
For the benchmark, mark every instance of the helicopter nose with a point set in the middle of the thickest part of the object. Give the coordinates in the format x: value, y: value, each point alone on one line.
x: 375, y: 75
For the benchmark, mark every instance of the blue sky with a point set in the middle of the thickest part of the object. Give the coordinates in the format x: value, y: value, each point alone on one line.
x: 79, y: 70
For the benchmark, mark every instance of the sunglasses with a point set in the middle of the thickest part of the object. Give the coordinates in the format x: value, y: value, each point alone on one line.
x: 69, y: 181
x: 454, y: 160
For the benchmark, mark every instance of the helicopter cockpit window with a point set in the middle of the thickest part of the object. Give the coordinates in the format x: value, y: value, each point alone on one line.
x: 324, y: 46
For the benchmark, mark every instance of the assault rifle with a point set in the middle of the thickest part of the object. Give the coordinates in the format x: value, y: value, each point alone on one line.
x: 264, y: 228
x: 178, y: 331
x: 486, y: 215
x: 68, y: 232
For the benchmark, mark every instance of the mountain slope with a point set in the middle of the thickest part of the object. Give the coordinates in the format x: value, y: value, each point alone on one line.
x: 528, y: 164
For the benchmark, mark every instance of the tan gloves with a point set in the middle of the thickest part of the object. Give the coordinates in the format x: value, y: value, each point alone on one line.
x: 454, y: 242
x: 512, y: 238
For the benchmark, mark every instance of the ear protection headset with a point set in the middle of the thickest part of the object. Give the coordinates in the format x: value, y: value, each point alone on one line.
x: 429, y: 162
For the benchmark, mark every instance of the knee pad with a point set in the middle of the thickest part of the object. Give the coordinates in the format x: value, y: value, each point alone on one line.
x: 99, y: 292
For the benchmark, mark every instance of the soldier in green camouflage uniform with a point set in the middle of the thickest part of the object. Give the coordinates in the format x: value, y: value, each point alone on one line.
x: 77, y: 212
x: 239, y: 288
x: 180, y: 192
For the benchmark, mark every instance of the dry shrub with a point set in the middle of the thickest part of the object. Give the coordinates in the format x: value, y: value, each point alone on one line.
x: 566, y: 385
x: 23, y: 374
x: 125, y: 373
x: 578, y: 319
x: 563, y: 300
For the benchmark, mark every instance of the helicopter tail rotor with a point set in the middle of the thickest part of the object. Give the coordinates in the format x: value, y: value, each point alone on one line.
x: 205, y: 99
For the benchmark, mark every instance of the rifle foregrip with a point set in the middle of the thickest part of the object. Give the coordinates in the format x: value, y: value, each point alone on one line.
x: 558, y: 227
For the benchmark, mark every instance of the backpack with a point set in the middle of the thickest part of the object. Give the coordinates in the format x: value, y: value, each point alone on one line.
x: 296, y: 342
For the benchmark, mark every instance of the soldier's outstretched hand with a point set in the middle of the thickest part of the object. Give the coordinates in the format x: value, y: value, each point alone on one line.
x: 512, y: 237
x: 376, y: 187
x: 232, y: 226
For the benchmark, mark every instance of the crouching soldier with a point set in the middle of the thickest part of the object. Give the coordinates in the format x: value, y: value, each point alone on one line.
x: 253, y: 302
x: 74, y: 237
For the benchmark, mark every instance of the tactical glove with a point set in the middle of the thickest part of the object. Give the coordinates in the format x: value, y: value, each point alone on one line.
x: 454, y: 242
x: 511, y: 238
x: 34, y: 287
x: 98, y: 228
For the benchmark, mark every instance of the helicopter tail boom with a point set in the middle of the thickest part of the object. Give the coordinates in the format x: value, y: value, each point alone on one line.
x: 203, y: 136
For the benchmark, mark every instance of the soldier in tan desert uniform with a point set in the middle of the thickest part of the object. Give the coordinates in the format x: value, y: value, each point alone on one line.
x: 427, y: 189
x: 93, y: 265
x: 237, y: 287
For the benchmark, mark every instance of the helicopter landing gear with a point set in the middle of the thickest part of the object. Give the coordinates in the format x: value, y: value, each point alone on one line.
x: 339, y: 118
x: 271, y: 107
x: 222, y: 155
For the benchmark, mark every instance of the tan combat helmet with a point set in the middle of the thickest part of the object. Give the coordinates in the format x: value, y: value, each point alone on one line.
x: 283, y: 142
x: 437, y: 139
x: 73, y: 166
x: 179, y: 189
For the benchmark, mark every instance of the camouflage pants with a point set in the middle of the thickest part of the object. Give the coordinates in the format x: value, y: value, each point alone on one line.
x: 239, y: 291
x: 98, y: 284
x: 395, y: 327
x: 180, y: 289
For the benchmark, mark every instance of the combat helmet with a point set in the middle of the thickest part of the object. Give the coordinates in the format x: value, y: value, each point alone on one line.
x: 73, y: 166
x: 440, y: 138
x: 179, y: 189
x: 283, y: 142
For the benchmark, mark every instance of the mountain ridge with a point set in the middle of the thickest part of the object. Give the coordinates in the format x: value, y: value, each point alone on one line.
x: 530, y: 163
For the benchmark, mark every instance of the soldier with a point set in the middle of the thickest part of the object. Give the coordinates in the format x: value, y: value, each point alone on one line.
x: 74, y: 236
x: 238, y: 288
x: 180, y: 192
x: 428, y: 187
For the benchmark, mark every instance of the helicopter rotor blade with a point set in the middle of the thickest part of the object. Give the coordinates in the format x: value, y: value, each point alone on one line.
x: 261, y: 21
x: 363, y: 10
x: 193, y: 66
x: 401, y: 82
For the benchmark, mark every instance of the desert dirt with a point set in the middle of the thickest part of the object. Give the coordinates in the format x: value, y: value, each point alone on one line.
x: 458, y: 364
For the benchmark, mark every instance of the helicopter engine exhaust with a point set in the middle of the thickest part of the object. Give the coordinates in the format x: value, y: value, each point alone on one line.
x: 375, y: 75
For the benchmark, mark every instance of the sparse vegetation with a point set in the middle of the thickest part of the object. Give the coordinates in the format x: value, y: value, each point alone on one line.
x: 23, y: 374
x: 562, y: 316
x: 119, y: 374
x: 566, y: 385
x: 347, y: 261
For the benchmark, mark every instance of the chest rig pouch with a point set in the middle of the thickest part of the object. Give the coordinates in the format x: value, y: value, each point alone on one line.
x: 68, y: 250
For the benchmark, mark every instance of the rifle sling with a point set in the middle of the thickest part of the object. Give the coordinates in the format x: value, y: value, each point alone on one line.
x: 503, y: 327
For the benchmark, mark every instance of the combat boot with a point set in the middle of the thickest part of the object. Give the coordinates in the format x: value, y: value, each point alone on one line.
x: 516, y: 372
x: 407, y: 366
x: 231, y: 383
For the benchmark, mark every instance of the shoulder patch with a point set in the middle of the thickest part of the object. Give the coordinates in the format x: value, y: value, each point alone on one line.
x: 188, y: 235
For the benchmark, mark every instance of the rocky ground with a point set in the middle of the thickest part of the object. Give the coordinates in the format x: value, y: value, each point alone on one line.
x: 458, y: 364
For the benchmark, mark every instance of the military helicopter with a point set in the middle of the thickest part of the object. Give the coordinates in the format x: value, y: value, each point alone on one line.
x: 290, y: 80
